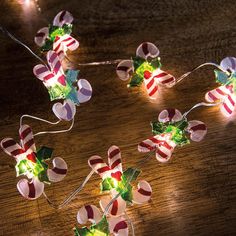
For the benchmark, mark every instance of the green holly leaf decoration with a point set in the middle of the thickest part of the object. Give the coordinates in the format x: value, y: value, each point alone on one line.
x: 135, y: 81
x: 47, y: 46
x: 21, y: 167
x: 59, y: 91
x: 108, y: 184
x: 131, y: 174
x: 43, y: 176
x: 44, y: 153
x: 158, y: 127
x: 72, y: 76
x: 99, y: 229
x: 124, y: 186
x: 222, y: 77
x: 178, y: 134
x: 137, y: 62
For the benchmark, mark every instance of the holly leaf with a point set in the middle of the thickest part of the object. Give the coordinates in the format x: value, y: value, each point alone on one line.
x: 44, y: 153
x: 158, y: 127
x: 21, y: 168
x: 221, y: 77
x: 72, y: 76
x: 67, y: 28
x: 43, y: 177
x: 82, y: 232
x: 47, y: 46
x: 177, y: 135
x: 131, y: 174
x: 137, y: 62
x: 136, y: 80
x: 124, y: 186
x: 107, y: 184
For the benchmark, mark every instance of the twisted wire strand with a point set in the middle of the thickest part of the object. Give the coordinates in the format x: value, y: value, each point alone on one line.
x: 198, y: 67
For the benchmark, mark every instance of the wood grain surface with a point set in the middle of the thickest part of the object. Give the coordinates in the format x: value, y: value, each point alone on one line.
x: 195, y: 193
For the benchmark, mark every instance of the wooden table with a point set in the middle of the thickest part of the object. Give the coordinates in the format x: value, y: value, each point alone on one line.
x: 195, y: 193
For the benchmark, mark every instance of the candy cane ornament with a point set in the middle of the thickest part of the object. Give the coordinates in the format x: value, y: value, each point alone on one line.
x: 145, y: 67
x: 63, y: 85
x: 31, y: 163
x: 57, y: 36
x: 170, y: 131
x: 226, y: 92
x: 101, y: 225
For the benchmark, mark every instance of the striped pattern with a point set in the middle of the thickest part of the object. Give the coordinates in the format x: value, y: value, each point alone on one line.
x: 41, y: 36
x: 118, y: 226
x: 146, y: 50
x: 89, y: 213
x: 52, y: 76
x: 85, y: 90
x: 65, y: 111
x: 63, y: 43
x: 11, y: 148
x: 161, y: 143
x: 163, y: 78
x: 117, y: 208
x: 59, y: 170
x: 114, y: 169
x: 228, y: 63
x: 224, y: 94
x: 63, y: 17
x: 197, y: 130
x: 99, y: 166
x: 150, y: 84
x: 124, y: 69
x: 30, y: 190
x: 114, y: 161
x: 28, y: 148
x: 170, y: 115
x: 143, y: 193
x: 27, y: 138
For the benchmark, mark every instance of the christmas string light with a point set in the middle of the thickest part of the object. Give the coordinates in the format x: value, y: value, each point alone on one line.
x: 170, y: 131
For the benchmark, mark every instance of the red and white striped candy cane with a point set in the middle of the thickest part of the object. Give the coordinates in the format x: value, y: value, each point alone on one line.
x: 163, y: 78
x: 114, y: 161
x: 59, y: 170
x: 150, y: 84
x: 118, y: 226
x: 170, y: 115
x: 63, y: 17
x: 89, y: 213
x: 41, y: 36
x: 11, y: 147
x: 197, y: 130
x: 124, y: 69
x: 30, y: 189
x: 143, y: 193
x: 165, y: 148
x: 226, y: 95
x: 63, y: 43
x: 53, y: 76
x: 118, y: 206
x: 161, y: 143
x: 146, y: 50
x: 99, y: 166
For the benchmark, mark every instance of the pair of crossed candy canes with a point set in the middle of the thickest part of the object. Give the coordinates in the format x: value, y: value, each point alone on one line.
x: 73, y: 92
x: 61, y: 43
x: 151, y: 79
x: 164, y: 143
x: 226, y: 92
x: 116, y: 210
x: 25, y: 152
